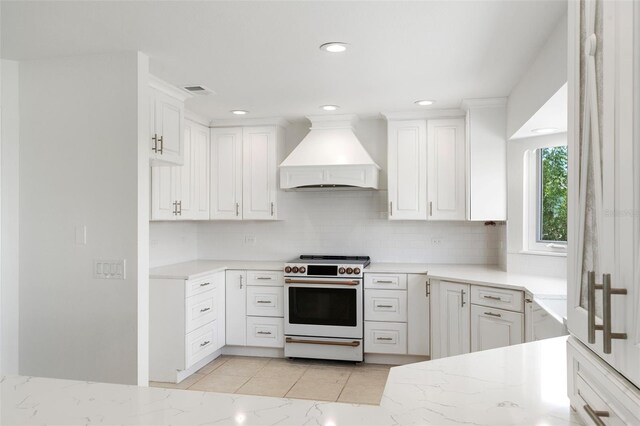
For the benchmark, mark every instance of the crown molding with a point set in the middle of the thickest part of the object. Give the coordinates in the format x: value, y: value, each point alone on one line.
x: 243, y: 122
x: 424, y: 115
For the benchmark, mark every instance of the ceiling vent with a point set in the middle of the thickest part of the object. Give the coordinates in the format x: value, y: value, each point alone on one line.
x: 199, y: 90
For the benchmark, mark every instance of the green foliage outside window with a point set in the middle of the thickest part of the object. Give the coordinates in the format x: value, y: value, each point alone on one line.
x: 553, y: 194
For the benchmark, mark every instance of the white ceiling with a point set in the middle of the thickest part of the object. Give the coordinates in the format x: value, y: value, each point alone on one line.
x: 553, y: 114
x: 264, y: 57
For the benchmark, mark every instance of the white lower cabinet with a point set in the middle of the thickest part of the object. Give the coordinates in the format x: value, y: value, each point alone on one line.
x: 418, y: 318
x: 385, y: 305
x: 186, y: 324
x: 385, y: 337
x: 236, y: 312
x: 451, y: 313
x: 265, y: 332
x: 494, y: 328
x: 265, y: 301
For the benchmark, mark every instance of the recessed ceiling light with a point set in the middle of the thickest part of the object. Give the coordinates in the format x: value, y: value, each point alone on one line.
x: 334, y: 47
x: 239, y: 112
x: 329, y: 107
x: 544, y: 130
x: 424, y: 102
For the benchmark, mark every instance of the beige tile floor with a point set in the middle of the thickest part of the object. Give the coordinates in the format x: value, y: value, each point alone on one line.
x: 299, y: 378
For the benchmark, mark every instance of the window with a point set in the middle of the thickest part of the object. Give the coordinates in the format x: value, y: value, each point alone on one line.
x: 547, y: 220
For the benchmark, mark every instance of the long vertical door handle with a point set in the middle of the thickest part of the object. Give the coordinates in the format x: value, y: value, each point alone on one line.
x: 161, y: 140
x: 241, y: 282
x: 272, y: 208
x: 390, y: 208
x: 427, y: 289
x: 155, y: 142
x: 607, y: 292
x: 180, y: 207
x: 591, y: 306
x: 462, y: 293
x: 237, y: 209
x: 175, y: 208
x: 430, y: 208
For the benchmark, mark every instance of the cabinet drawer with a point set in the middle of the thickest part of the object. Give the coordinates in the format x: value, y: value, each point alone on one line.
x: 511, y: 300
x: 264, y: 331
x: 385, y: 305
x: 495, y: 328
x: 385, y: 337
x: 386, y: 281
x: 201, y: 309
x: 265, y: 301
x: 267, y: 278
x: 200, y: 343
x: 203, y: 284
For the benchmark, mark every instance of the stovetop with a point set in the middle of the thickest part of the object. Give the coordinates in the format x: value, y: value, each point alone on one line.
x: 329, y: 259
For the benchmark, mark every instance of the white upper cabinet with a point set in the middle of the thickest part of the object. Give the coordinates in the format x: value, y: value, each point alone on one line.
x: 244, y: 170
x: 259, y: 186
x: 166, y: 123
x: 487, y: 159
x: 163, y: 193
x: 226, y: 173
x: 407, y: 170
x: 446, y: 167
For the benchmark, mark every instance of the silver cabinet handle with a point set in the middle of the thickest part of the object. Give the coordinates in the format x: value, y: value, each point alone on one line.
x: 264, y: 278
x: 462, y: 293
x: 205, y: 309
x: 264, y: 332
x: 175, y: 208
x: 263, y: 301
x: 607, y: 292
x: 493, y: 315
x: 383, y: 282
x: 161, y: 140
x: 384, y: 338
x: 430, y: 208
x: 272, y: 208
x: 390, y: 208
x: 237, y: 209
x: 204, y: 284
x: 384, y: 306
x: 155, y: 142
x: 591, y: 307
x: 427, y: 288
x: 595, y: 415
x: 205, y: 343
x: 241, y: 281
x: 180, y: 207
x: 492, y: 297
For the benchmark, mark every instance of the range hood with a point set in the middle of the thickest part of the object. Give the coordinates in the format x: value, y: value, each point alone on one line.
x: 329, y: 157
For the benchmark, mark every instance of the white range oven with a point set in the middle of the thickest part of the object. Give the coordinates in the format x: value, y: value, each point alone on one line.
x: 323, y: 307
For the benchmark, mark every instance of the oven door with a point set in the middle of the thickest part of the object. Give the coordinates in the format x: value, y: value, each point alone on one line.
x: 323, y: 307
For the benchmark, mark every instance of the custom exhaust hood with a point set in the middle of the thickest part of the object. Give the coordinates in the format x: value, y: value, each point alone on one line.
x: 329, y: 157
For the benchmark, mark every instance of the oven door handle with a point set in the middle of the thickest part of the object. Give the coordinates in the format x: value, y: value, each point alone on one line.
x: 353, y: 344
x: 322, y: 282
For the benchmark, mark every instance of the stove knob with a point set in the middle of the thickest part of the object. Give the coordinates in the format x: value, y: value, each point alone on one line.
x: 287, y: 269
x: 349, y: 271
x: 356, y: 271
x: 295, y: 269
x: 342, y: 271
x: 303, y: 269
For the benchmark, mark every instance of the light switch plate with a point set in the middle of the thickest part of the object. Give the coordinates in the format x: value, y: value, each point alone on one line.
x: 109, y: 269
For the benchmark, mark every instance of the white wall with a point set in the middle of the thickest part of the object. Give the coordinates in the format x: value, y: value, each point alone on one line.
x: 546, y: 74
x: 518, y: 260
x: 172, y: 242
x: 9, y: 223
x: 79, y: 164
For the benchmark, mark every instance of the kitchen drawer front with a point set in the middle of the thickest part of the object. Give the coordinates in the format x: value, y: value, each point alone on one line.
x: 385, y: 337
x: 204, y: 284
x: 200, y: 343
x: 385, y: 281
x: 201, y: 309
x: 385, y: 305
x: 511, y: 300
x: 594, y: 385
x: 266, y: 278
x: 265, y: 301
x: 265, y: 331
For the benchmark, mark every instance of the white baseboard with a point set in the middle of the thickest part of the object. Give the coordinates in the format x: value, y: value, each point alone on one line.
x: 393, y: 359
x: 183, y: 374
x: 253, y: 351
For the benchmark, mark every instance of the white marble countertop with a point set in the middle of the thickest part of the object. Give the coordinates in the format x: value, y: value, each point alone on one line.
x: 197, y: 268
x: 522, y: 384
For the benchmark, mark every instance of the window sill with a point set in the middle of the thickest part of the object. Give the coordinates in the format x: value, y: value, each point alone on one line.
x: 543, y: 253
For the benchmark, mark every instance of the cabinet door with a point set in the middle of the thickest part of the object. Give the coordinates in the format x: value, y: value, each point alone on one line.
x: 446, y: 169
x: 259, y: 169
x: 407, y: 168
x: 418, y: 327
x: 200, y: 172
x: 226, y: 174
x: 169, y: 126
x: 451, y: 314
x: 236, y: 308
x: 494, y: 328
x: 183, y: 184
x: 163, y: 193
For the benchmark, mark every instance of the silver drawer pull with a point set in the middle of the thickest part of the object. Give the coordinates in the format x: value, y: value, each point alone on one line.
x: 384, y: 338
x: 205, y: 309
x: 205, y: 343
x: 204, y: 284
x: 264, y: 332
x: 263, y: 301
x: 595, y: 415
x: 492, y: 297
x: 264, y: 278
x: 493, y: 315
x: 384, y: 282
x: 384, y: 306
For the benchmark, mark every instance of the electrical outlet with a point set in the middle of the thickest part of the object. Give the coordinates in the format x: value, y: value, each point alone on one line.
x: 109, y: 269
x: 250, y: 240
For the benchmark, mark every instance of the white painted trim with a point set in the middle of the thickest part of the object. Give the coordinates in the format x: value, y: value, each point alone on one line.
x: 196, y: 118
x: 183, y: 374
x: 169, y: 89
x: 466, y: 104
x: 425, y: 115
x: 393, y: 359
x: 244, y: 122
x: 253, y: 351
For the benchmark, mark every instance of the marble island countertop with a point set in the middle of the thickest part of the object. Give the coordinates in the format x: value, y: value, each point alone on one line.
x: 522, y: 384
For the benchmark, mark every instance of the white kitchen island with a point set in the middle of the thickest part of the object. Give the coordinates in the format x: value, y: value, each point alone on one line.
x: 522, y: 384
